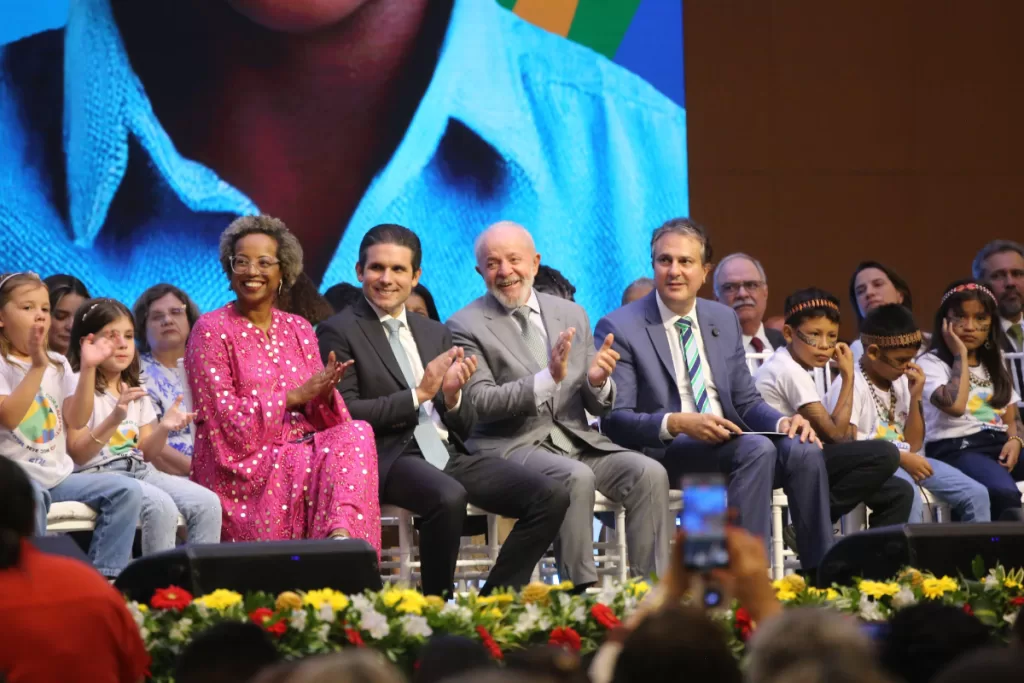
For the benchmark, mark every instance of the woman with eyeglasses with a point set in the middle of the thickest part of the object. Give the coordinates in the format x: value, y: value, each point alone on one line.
x: 164, y: 316
x: 273, y: 436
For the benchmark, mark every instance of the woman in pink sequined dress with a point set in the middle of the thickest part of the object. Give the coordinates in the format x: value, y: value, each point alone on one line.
x: 274, y: 439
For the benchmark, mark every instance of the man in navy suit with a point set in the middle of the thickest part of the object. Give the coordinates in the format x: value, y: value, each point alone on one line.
x: 685, y: 396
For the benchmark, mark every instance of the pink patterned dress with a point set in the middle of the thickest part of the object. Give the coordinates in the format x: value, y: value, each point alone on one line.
x: 280, y: 474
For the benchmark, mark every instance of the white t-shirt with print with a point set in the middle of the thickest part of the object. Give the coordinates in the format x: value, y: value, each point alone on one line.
x: 784, y: 384
x: 978, y: 416
x: 125, y: 441
x: 864, y: 414
x: 39, y: 444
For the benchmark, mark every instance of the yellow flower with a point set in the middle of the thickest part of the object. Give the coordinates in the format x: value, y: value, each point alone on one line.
x: 391, y: 597
x: 535, y: 592
x: 640, y: 589
x: 219, y: 599
x: 877, y: 589
x: 494, y: 612
x: 910, y: 574
x: 143, y: 607
x: 934, y: 588
x: 318, y: 598
x: 435, y: 601
x: 412, y: 602
x: 796, y: 583
x: 785, y: 595
x: 288, y: 601
x: 564, y: 586
x: 1011, y: 583
x: 828, y: 594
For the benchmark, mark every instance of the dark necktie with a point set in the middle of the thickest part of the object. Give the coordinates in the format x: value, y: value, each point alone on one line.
x: 757, y: 344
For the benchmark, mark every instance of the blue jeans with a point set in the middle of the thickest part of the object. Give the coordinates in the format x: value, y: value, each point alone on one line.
x: 164, y: 496
x: 118, y: 504
x: 968, y: 498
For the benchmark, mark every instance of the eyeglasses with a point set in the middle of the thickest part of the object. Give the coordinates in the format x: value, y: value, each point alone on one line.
x: 816, y: 340
x: 734, y: 287
x: 241, y: 265
x: 160, y: 316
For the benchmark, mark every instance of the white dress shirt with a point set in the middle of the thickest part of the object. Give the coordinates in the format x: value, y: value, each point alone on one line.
x: 544, y: 385
x: 753, y: 364
x: 686, y: 399
x: 412, y: 354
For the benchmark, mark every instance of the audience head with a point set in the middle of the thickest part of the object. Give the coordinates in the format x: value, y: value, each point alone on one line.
x: 261, y: 258
x: 228, y: 652
x: 17, y: 511
x: 812, y: 326
x: 970, y: 311
x: 741, y: 284
x: 24, y: 307
x: 874, y: 285
x: 776, y: 322
x: 554, y: 663
x: 67, y: 293
x: 811, y: 644
x: 507, y: 259
x: 891, y: 341
x: 990, y: 665
x: 347, y: 666
x: 111, y: 319
x: 637, y: 289
x: 389, y: 266
x: 164, y: 316
x: 551, y: 281
x: 681, y: 254
x: 446, y: 656
x: 1000, y: 265
x: 422, y: 301
x: 304, y: 300
x: 343, y: 295
x: 924, y: 639
x: 672, y: 641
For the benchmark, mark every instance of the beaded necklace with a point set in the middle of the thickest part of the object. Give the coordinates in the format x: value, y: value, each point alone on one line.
x: 890, y: 416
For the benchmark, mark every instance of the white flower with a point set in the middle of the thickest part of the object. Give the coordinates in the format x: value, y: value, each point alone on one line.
x: 869, y: 610
x: 326, y: 613
x: 629, y: 605
x: 144, y: 634
x: 361, y: 603
x: 298, y: 619
x: 460, y: 612
x: 375, y: 623
x: 608, y: 592
x: 136, y: 613
x: 991, y: 583
x: 842, y: 603
x: 905, y: 598
x: 1011, y: 618
x: 529, y: 619
x: 179, y: 632
x: 563, y: 600
x: 415, y: 625
x: 322, y: 632
x: 579, y: 615
x: 203, y: 610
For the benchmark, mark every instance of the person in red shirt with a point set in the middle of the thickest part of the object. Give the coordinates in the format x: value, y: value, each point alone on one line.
x: 60, y: 618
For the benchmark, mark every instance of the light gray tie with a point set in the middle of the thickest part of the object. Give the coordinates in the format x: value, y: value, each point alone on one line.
x: 535, y: 344
x: 425, y: 433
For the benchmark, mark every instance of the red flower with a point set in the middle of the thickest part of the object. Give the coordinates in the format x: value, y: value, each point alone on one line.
x: 1017, y: 602
x: 967, y: 609
x: 604, y: 615
x: 492, y: 646
x: 263, y: 617
x: 744, y: 624
x: 353, y: 637
x: 171, y: 597
x: 565, y: 637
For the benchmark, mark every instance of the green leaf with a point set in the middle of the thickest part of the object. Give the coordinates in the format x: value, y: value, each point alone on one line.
x: 978, y: 568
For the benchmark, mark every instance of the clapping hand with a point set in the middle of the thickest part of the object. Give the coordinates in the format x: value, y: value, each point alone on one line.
x: 37, y: 346
x: 558, y: 365
x: 127, y: 395
x: 435, y: 373
x: 176, y: 419
x: 332, y: 374
x: 457, y: 376
x: 95, y: 350
x: 604, y: 363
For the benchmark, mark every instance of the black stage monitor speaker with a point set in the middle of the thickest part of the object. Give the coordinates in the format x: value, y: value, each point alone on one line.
x: 939, y: 548
x: 348, y: 565
x: 60, y: 545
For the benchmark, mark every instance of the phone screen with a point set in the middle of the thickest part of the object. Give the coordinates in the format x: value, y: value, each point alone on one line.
x: 705, y: 506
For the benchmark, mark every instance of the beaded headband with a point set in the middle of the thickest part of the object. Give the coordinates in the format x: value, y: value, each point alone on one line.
x: 969, y: 287
x: 892, y: 341
x: 813, y: 303
x: 89, y: 310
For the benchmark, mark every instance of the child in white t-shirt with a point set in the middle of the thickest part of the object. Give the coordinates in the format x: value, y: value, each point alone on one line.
x: 887, y: 390
x: 858, y: 471
x: 124, y: 436
x: 40, y: 398
x: 970, y: 409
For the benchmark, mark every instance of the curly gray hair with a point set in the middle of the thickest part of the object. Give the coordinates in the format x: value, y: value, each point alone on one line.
x: 289, y: 251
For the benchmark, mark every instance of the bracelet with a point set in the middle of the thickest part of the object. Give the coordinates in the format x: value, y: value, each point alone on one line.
x: 93, y: 437
x: 1018, y: 440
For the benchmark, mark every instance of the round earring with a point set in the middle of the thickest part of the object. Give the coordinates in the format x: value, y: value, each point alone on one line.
x: 988, y: 343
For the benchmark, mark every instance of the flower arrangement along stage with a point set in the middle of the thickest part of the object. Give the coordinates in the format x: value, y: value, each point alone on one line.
x: 398, y: 621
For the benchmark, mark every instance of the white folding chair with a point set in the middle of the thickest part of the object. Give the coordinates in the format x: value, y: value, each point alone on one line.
x: 69, y: 516
x: 1015, y: 363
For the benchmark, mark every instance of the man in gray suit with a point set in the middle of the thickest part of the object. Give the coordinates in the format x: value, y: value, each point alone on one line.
x: 686, y: 396
x: 538, y: 373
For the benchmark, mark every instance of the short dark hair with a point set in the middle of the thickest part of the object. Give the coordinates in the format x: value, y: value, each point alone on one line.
x: 551, y: 281
x: 673, y: 640
x: 17, y: 511
x: 687, y: 227
x: 91, y: 317
x: 304, y: 299
x: 60, y: 286
x: 991, y: 249
x: 343, y: 295
x: 899, y: 283
x: 391, y: 233
x: 422, y: 292
x: 925, y: 638
x: 141, y: 311
x: 228, y: 652
x: 809, y: 303
x: 889, y: 320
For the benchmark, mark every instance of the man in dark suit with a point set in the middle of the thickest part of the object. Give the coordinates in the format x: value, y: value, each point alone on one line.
x: 1000, y: 266
x: 407, y: 383
x: 741, y: 284
x: 685, y: 396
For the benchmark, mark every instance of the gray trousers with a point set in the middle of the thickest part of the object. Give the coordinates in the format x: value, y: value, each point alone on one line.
x: 636, y: 481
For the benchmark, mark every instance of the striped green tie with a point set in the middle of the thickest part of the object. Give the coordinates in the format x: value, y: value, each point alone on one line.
x: 693, y: 368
